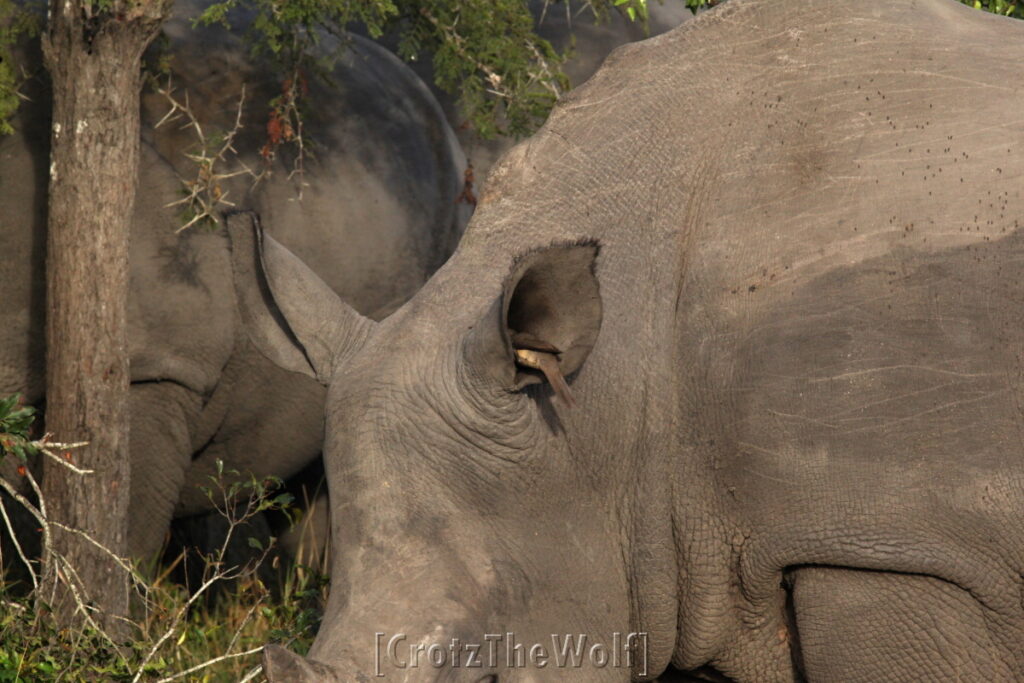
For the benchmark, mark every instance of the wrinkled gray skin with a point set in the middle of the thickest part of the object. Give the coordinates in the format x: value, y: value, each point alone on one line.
x: 591, y: 43
x: 796, y: 359
x: 377, y: 218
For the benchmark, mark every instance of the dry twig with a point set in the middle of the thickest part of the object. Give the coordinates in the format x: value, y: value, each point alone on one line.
x: 206, y: 194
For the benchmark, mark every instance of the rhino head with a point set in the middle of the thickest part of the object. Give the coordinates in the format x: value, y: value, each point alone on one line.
x: 789, y: 342
x: 467, y: 512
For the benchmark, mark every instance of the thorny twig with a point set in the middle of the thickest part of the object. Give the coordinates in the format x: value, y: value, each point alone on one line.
x: 206, y: 193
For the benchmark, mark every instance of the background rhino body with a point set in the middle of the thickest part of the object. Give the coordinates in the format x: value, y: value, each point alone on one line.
x: 797, y: 445
x: 378, y: 216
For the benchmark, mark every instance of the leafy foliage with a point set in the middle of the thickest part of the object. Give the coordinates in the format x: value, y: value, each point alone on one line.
x: 507, y: 80
x: 15, y: 424
x: 487, y: 52
x: 15, y: 23
x: 634, y: 9
x: 1013, y: 8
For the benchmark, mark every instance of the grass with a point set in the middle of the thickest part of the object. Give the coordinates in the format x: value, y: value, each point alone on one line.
x: 178, y: 636
x: 176, y: 640
x: 175, y: 634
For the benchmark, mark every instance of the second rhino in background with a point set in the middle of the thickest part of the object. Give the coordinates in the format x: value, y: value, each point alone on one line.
x: 378, y: 215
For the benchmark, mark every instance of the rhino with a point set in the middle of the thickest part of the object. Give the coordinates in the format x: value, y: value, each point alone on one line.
x: 377, y: 215
x: 776, y: 256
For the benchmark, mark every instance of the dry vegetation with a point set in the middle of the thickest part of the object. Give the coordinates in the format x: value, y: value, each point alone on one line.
x: 177, y: 635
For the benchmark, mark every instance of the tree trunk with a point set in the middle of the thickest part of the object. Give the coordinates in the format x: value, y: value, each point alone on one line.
x: 94, y: 59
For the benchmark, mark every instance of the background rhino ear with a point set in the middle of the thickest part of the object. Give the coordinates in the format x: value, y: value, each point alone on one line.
x: 289, y: 313
x: 546, y: 322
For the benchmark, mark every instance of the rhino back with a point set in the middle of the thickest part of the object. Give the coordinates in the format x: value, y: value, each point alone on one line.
x: 373, y: 211
x: 846, y: 310
x: 848, y: 283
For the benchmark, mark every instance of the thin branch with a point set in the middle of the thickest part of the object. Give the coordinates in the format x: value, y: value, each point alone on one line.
x: 210, y: 662
x: 206, y: 193
x: 253, y: 673
x: 17, y: 544
x: 119, y: 561
x: 286, y: 124
x: 54, y: 561
x: 25, y: 502
x: 219, y: 575
x: 44, y: 445
x: 76, y: 586
x: 241, y: 627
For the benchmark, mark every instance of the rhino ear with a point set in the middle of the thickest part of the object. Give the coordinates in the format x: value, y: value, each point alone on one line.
x: 289, y: 313
x: 545, y: 323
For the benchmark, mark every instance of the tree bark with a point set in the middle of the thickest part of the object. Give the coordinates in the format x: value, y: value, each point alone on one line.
x: 94, y: 59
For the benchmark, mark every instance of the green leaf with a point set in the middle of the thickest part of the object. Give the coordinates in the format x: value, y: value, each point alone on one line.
x: 7, y: 403
x: 17, y: 21
x: 283, y: 500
